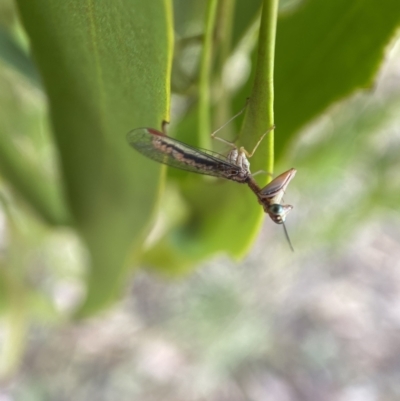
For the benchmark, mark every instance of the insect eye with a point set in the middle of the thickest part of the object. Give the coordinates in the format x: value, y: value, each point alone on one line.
x: 276, y: 209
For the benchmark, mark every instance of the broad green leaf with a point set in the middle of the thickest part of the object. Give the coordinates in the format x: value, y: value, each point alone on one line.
x: 105, y: 68
x: 326, y: 50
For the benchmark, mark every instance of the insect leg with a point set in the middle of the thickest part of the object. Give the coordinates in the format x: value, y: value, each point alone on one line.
x: 231, y: 144
x: 259, y: 141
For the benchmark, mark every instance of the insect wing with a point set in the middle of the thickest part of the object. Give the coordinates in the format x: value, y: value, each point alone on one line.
x: 163, y: 149
x: 275, y: 190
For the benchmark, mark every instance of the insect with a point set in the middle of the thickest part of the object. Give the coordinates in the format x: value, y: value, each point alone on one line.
x: 235, y: 167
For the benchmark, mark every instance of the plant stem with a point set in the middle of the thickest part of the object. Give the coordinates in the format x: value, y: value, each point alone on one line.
x: 260, y: 114
x: 205, y: 72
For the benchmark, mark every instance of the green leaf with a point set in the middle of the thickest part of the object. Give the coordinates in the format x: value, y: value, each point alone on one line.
x: 325, y: 51
x: 13, y: 55
x: 245, y: 14
x: 23, y: 128
x: 106, y: 70
x: 40, y: 190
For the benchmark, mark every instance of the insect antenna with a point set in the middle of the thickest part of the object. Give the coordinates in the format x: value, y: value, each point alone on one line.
x: 287, y: 237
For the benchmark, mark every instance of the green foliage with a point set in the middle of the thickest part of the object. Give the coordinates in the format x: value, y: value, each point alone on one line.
x: 326, y: 50
x: 105, y: 69
x: 12, y: 54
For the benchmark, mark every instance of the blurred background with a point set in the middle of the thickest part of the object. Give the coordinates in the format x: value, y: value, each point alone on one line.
x: 321, y: 323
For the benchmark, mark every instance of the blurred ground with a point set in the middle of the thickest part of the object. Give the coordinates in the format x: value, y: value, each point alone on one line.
x: 317, y: 326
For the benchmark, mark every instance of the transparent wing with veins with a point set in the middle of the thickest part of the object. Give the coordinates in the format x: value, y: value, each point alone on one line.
x: 163, y: 149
